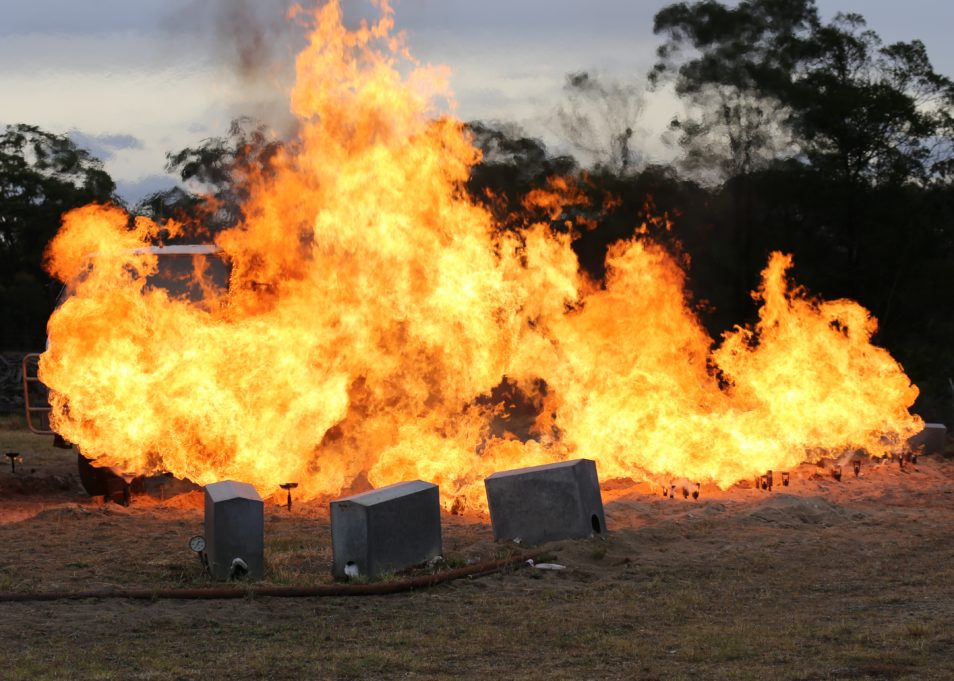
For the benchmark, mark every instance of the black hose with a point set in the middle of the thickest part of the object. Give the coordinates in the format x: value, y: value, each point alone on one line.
x: 322, y: 590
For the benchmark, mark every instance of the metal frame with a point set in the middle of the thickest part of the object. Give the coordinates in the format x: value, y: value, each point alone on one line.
x: 27, y: 380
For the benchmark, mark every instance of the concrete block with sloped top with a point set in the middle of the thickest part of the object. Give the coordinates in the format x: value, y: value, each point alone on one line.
x: 386, y: 529
x: 546, y: 503
x: 234, y: 530
x: 932, y: 439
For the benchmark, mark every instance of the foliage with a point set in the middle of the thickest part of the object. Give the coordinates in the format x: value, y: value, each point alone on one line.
x: 774, y: 81
x: 42, y: 175
x: 511, y: 166
x: 217, y: 173
x: 598, y: 119
x: 828, y: 143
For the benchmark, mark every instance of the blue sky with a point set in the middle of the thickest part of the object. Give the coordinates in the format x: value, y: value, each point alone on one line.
x: 132, y: 80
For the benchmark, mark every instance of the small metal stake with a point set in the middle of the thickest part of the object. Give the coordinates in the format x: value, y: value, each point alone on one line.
x: 784, y: 478
x: 13, y: 456
x: 289, y: 486
x: 836, y: 473
x: 695, y: 492
x: 768, y: 478
x: 856, y: 465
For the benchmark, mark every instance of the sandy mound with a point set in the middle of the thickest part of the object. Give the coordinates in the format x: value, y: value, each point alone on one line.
x: 788, y: 510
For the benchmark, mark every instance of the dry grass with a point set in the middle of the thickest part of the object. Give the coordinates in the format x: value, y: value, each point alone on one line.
x: 744, y: 587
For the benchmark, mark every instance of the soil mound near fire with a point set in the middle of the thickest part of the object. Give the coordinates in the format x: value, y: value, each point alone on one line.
x: 37, y: 485
x: 788, y: 510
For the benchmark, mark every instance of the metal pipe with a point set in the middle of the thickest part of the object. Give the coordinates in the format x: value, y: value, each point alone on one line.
x: 319, y: 590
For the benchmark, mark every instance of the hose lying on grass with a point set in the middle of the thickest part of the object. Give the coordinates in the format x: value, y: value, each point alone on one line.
x: 379, y: 588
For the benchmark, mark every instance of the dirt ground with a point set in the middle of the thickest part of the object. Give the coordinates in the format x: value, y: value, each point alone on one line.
x: 817, y: 580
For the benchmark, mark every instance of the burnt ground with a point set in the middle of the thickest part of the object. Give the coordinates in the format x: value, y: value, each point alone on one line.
x: 819, y: 580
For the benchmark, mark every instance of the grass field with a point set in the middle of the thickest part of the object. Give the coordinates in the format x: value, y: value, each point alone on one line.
x: 823, y: 580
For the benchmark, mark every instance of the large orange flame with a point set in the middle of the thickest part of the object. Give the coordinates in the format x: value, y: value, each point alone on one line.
x: 374, y: 310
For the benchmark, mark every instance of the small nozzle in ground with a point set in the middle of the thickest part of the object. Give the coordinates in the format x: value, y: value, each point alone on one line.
x: 836, y: 473
x: 289, y: 486
x: 238, y: 569
x: 856, y: 466
x: 785, y: 479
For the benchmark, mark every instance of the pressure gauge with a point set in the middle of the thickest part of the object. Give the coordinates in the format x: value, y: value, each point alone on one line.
x: 197, y: 544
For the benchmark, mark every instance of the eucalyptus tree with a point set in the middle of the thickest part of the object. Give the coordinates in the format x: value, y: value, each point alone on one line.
x: 42, y: 175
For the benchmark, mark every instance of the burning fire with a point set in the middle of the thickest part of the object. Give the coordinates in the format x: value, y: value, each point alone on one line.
x: 378, y: 322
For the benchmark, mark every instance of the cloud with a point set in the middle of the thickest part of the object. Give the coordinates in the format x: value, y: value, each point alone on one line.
x: 104, y: 146
x: 71, y: 17
x: 134, y: 191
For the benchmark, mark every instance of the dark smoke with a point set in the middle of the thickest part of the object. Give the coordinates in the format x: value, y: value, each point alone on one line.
x: 256, y: 41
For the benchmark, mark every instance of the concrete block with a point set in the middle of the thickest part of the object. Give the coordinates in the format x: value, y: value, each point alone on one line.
x: 932, y: 438
x: 546, y: 503
x: 234, y: 529
x: 386, y: 529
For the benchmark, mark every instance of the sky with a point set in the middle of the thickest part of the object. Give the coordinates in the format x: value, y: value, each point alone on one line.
x: 132, y: 80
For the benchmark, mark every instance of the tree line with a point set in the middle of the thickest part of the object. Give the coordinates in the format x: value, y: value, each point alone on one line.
x: 803, y: 135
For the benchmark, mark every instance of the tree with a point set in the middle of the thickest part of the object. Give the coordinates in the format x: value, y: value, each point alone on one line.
x: 741, y: 123
x: 216, y: 172
x: 740, y: 56
x: 511, y: 165
x: 871, y: 114
x: 788, y: 85
x: 858, y: 115
x: 599, y: 118
x: 42, y: 175
x: 825, y: 141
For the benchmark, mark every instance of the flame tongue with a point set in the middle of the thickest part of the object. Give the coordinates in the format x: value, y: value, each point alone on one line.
x: 373, y: 307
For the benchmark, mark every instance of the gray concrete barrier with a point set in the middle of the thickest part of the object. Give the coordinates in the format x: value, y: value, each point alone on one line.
x: 234, y: 530
x: 386, y: 529
x: 546, y: 503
